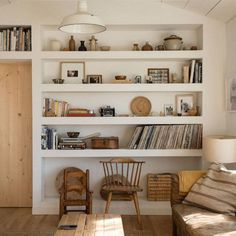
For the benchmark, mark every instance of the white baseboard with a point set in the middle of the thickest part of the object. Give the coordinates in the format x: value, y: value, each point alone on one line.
x: 51, y: 207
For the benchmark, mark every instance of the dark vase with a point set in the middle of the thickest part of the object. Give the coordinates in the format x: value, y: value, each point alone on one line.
x: 82, y: 46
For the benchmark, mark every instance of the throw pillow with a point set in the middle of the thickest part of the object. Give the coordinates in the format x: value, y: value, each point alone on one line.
x: 215, y: 191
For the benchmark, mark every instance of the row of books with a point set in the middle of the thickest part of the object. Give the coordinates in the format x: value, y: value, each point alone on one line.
x: 192, y: 73
x: 49, y: 138
x: 56, y: 108
x: 187, y: 136
x: 15, y: 39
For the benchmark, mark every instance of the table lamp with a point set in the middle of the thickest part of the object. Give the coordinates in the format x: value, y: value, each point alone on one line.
x: 219, y: 148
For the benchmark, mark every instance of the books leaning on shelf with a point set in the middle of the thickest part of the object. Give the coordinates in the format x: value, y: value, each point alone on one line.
x: 192, y: 73
x: 49, y: 138
x: 15, y: 39
x: 53, y: 107
x: 188, y: 136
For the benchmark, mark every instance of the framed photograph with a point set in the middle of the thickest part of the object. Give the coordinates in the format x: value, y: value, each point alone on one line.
x: 94, y: 79
x: 159, y: 75
x: 168, y: 109
x: 184, y: 103
x: 73, y: 72
x: 231, y: 95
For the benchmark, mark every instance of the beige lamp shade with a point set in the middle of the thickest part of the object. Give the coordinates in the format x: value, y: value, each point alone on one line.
x: 219, y: 148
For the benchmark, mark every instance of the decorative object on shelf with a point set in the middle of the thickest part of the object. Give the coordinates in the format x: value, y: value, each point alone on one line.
x: 82, y: 46
x: 160, y: 47
x: 80, y: 112
x: 105, y: 48
x: 136, y: 47
x: 158, y: 187
x: 193, y: 111
x: 147, y: 47
x: 193, y: 48
x: 73, y: 134
x: 105, y: 142
x: 141, y: 106
x: 161, y: 113
x: 159, y: 75
x: 94, y: 79
x: 138, y: 79
x: 173, y: 42
x: 58, y: 81
x: 82, y: 22
x: 73, y: 72
x: 55, y: 45
x: 72, y: 43
x: 231, y: 94
x: 174, y: 79
x: 107, y: 111
x: 184, y: 103
x: 93, y: 43
x: 120, y: 77
x: 148, y: 79
x: 168, y: 109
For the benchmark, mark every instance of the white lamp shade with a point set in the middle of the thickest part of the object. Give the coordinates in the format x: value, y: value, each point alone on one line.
x: 219, y: 148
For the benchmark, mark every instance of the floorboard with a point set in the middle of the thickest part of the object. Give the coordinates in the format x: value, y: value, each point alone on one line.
x: 20, y: 222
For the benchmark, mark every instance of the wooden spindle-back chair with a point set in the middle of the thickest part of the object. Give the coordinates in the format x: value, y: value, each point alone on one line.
x: 123, y: 175
x: 75, y: 191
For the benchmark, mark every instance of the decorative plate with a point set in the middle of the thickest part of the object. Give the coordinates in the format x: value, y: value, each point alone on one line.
x: 141, y: 106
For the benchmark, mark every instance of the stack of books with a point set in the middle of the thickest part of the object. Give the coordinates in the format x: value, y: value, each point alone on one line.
x: 71, y: 143
x: 49, y: 138
x: 53, y: 107
x: 78, y: 112
x: 15, y: 39
x: 187, y: 136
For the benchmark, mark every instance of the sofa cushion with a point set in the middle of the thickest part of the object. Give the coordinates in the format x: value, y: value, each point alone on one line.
x: 215, y: 191
x: 194, y: 221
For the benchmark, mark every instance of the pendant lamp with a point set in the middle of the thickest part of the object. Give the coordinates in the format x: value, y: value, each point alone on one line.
x: 82, y: 22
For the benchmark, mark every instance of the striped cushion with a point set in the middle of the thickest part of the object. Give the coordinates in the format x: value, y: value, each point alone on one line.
x: 215, y: 191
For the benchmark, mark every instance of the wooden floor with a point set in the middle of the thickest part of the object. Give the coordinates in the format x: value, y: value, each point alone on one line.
x: 20, y: 222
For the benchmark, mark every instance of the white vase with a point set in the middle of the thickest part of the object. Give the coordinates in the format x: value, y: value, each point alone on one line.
x: 55, y: 45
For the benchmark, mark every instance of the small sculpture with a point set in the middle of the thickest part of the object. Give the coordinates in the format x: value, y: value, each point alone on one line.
x: 93, y: 43
x: 72, y: 43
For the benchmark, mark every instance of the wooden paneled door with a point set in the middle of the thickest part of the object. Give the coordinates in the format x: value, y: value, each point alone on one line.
x: 15, y: 134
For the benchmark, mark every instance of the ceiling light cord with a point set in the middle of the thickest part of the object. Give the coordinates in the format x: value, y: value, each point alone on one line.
x: 82, y: 6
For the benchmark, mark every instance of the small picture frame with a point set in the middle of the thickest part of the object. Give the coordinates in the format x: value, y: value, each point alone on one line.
x: 159, y: 75
x: 73, y: 72
x: 231, y: 95
x: 94, y: 79
x: 184, y: 103
x: 168, y: 109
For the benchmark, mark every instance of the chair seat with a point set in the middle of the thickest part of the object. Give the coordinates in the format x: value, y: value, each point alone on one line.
x: 121, y: 188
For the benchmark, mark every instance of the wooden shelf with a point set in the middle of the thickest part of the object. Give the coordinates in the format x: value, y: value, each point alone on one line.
x: 123, y: 152
x: 62, y: 88
x: 121, y: 120
x: 124, y: 55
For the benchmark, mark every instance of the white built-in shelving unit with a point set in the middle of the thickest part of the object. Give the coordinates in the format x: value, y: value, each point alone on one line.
x: 120, y: 60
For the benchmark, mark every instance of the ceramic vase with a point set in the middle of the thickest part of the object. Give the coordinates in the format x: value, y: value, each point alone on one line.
x: 82, y: 46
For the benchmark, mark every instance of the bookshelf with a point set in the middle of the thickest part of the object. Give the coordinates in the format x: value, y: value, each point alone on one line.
x: 120, y: 60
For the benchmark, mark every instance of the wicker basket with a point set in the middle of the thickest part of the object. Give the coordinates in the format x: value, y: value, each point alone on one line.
x: 158, y: 187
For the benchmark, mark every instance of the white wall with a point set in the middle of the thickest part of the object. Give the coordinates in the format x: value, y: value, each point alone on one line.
x: 135, y: 12
x: 231, y: 70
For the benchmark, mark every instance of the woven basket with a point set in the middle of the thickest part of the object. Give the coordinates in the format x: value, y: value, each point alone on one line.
x: 158, y: 187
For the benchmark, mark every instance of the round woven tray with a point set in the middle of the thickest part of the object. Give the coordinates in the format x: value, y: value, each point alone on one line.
x: 141, y: 106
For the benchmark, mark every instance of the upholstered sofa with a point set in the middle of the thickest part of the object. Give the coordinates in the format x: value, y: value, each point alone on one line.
x: 194, y: 221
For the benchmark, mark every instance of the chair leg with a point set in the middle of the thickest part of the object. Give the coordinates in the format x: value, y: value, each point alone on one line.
x: 108, y: 202
x: 136, y: 203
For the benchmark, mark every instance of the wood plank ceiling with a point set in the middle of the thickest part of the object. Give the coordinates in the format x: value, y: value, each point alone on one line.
x: 223, y: 10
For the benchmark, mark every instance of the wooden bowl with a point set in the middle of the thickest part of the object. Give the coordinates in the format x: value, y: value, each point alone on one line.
x: 73, y: 134
x: 120, y: 77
